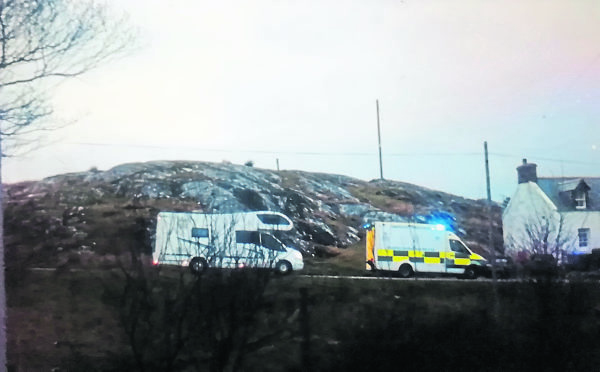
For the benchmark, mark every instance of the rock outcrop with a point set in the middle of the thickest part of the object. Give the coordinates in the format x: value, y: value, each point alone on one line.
x: 108, y: 213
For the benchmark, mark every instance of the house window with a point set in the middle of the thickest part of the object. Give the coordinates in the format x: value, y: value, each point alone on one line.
x: 584, y: 237
x: 580, y: 200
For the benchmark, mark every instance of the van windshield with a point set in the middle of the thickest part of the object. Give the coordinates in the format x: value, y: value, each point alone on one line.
x: 270, y: 242
x: 458, y: 246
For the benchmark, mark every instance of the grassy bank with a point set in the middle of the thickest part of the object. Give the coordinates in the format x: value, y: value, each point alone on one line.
x: 104, y: 320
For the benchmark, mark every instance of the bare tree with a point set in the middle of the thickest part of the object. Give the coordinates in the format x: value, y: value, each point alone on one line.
x: 543, y: 235
x: 41, y: 43
x: 178, y: 319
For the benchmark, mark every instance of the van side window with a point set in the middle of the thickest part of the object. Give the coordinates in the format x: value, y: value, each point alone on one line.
x: 271, y: 243
x: 457, y: 246
x: 247, y: 237
x: 199, y: 232
x: 272, y: 219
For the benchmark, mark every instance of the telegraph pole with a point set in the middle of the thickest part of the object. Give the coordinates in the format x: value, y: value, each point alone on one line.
x: 490, y: 227
x: 489, y: 202
x: 379, y: 139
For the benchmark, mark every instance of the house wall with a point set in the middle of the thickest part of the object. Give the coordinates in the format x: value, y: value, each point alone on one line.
x: 531, y: 212
x: 577, y: 220
x: 529, y: 217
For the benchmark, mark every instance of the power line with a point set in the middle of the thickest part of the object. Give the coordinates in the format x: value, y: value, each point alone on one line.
x: 246, y: 151
x: 567, y: 161
x: 319, y: 153
x: 322, y: 153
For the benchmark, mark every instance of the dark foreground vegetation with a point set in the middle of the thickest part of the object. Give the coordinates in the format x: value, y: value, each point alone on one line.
x: 167, y: 320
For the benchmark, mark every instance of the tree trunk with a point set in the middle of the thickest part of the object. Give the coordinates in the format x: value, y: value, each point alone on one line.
x: 2, y: 282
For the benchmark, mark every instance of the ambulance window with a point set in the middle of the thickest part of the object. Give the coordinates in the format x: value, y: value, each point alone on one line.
x: 458, y: 246
x: 247, y: 237
x: 271, y: 243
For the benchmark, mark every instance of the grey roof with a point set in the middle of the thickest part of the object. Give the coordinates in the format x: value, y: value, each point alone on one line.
x: 569, y: 185
x: 558, y: 190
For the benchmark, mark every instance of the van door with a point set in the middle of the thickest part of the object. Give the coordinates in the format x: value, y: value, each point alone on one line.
x: 271, y: 249
x: 248, y: 251
x: 254, y: 249
x: 457, y: 257
x: 426, y: 254
x: 431, y: 262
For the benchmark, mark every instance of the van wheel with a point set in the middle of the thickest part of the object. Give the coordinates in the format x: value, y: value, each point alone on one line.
x: 198, y: 265
x: 283, y: 267
x: 470, y: 273
x: 406, y: 271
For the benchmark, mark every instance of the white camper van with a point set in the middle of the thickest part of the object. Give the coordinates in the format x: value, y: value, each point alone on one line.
x: 408, y: 248
x: 231, y: 240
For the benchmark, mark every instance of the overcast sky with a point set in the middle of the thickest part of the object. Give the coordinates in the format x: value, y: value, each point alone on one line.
x: 297, y: 81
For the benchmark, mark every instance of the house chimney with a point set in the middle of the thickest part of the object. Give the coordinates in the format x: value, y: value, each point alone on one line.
x: 527, y: 172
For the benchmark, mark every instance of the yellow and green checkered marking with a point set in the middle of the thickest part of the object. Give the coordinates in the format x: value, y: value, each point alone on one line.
x: 451, y: 259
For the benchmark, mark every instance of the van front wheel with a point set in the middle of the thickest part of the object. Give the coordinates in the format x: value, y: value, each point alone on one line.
x: 283, y: 267
x: 198, y: 265
x: 470, y: 273
x: 406, y: 271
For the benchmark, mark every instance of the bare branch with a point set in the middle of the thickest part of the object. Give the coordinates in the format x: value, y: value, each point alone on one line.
x: 43, y: 42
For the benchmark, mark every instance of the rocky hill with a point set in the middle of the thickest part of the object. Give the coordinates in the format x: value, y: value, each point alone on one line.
x: 97, y: 217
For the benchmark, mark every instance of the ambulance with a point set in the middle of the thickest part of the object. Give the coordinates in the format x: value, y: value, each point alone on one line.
x: 409, y: 248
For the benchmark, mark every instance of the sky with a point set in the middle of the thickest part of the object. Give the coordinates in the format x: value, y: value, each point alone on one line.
x: 296, y: 82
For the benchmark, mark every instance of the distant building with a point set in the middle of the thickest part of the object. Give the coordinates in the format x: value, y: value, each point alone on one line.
x: 558, y: 215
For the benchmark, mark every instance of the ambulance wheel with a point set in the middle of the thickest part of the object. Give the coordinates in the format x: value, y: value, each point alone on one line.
x: 470, y: 273
x: 198, y: 265
x: 406, y: 271
x: 283, y: 268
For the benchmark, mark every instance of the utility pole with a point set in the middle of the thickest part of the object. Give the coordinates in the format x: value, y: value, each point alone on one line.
x: 379, y: 139
x: 490, y: 228
x: 489, y: 202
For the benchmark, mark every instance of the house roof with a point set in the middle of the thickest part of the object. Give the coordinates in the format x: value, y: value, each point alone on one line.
x: 558, y: 189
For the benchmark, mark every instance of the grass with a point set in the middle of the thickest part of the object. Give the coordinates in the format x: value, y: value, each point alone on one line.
x: 55, y: 316
x: 348, y: 261
x: 71, y: 319
x: 367, y: 194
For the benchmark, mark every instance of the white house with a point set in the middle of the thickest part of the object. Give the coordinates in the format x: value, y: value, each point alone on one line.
x: 558, y: 215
